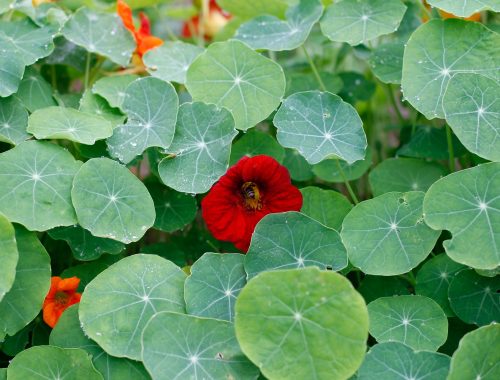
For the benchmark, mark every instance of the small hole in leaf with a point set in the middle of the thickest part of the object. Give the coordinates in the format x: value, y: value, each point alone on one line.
x: 329, y: 267
x: 219, y: 356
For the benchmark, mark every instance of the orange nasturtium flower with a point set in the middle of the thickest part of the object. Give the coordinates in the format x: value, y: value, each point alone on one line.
x: 62, y: 294
x: 445, y: 15
x: 143, y: 38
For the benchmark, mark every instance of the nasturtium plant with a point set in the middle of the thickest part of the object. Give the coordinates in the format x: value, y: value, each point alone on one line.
x: 217, y: 189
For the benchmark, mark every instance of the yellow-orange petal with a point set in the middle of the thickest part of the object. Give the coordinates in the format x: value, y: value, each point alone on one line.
x: 125, y: 14
x: 69, y: 284
x: 148, y: 43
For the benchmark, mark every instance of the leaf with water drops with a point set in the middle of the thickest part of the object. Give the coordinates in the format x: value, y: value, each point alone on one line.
x: 472, y: 109
x: 387, y: 235
x: 320, y: 125
x: 34, y: 91
x: 100, y: 33
x: 96, y: 104
x: 151, y: 106
x: 11, y: 71
x: 70, y: 124
x: 432, y: 57
x: 386, y: 62
x: 304, y: 328
x: 271, y: 33
x: 8, y: 255
x: 465, y: 8
x: 328, y: 170
x: 111, y: 202
x: 467, y: 204
x: 214, y: 284
x: 232, y: 75
x: 396, y: 361
x: 36, y: 185
x: 117, y: 304
x: 113, y: 88
x: 200, y: 149
x: 13, y: 121
x: 359, y: 21
x: 253, y: 143
x: 170, y: 62
x: 416, y: 321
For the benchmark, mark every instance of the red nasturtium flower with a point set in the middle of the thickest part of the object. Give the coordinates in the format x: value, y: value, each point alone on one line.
x: 143, y: 38
x: 62, y: 294
x: 250, y: 190
x: 214, y: 21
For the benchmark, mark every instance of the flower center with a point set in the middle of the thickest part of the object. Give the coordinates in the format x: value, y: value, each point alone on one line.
x: 61, y: 298
x: 251, y: 196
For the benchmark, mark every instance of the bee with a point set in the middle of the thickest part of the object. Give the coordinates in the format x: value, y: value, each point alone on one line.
x: 251, y: 195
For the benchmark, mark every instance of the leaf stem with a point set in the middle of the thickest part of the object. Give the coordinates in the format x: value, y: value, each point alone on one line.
x: 347, y: 184
x: 450, y: 148
x: 314, y: 69
x: 87, y: 70
x: 394, y: 103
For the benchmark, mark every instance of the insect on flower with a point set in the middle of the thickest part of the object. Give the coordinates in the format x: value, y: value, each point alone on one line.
x: 62, y: 294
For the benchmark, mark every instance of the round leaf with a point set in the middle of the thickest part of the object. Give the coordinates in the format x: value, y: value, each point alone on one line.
x: 34, y: 91
x: 111, y: 202
x: 416, y: 321
x: 11, y: 69
x: 432, y: 57
x: 359, y: 21
x: 293, y: 240
x: 474, y: 298
x: 215, y: 282
x: 395, y: 361
x: 113, y: 88
x: 36, y: 184
x: 184, y: 346
x: 254, y: 143
x: 68, y: 123
x: 151, y: 105
x: 373, y: 287
x: 49, y: 362
x: 96, y: 104
x: 467, y: 204
x: 319, y: 125
x: 201, y: 148
x: 387, y: 235
x: 297, y: 165
x: 303, y: 327
x: 472, y: 108
x: 8, y: 255
x: 232, y: 75
x: 465, y: 8
x: 117, y: 304
x: 328, y: 170
x: 386, y: 62
x: 477, y: 356
x: 13, y: 120
x: 171, y: 60
x: 271, y: 33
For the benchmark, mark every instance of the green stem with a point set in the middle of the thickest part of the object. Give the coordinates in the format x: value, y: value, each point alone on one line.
x: 314, y: 69
x: 450, y: 148
x: 87, y: 70
x: 395, y: 104
x: 347, y: 184
x: 95, y: 70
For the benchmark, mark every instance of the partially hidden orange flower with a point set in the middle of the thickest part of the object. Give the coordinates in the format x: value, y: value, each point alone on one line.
x: 143, y: 38
x: 213, y: 22
x: 445, y: 15
x: 62, y: 294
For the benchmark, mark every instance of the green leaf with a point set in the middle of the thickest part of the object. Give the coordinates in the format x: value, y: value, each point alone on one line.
x: 320, y: 125
x: 70, y: 124
x: 271, y: 33
x: 433, y: 280
x: 232, y: 75
x: 36, y: 184
x: 100, y: 33
x: 477, y: 356
x: 465, y: 8
x: 359, y: 21
x: 34, y: 91
x: 84, y: 245
x: 201, y: 148
x: 395, y: 361
x: 356, y: 87
x: 96, y: 104
x: 197, y: 348
x: 328, y: 170
x: 170, y: 61
x: 432, y: 57
x: 117, y: 304
x: 111, y: 202
x: 386, y: 62
x: 87, y: 272
x: 326, y: 206
x: 387, y: 235
x: 474, y: 298
x: 174, y: 210
x: 151, y: 106
x: 44, y: 362
x: 24, y: 300
x: 298, y: 81
x: 11, y: 70
x: 214, y: 284
x: 113, y: 88
x: 416, y: 321
x: 303, y: 328
x: 247, y: 10
x: 404, y: 174
x: 69, y: 334
x: 467, y: 204
x: 472, y: 108
x: 13, y: 121
x: 299, y: 168
x: 9, y: 255
x: 373, y: 287
x: 254, y: 143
